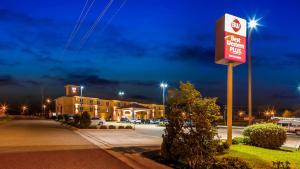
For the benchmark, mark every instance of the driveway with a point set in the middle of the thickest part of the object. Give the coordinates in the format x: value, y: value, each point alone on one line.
x: 35, y: 144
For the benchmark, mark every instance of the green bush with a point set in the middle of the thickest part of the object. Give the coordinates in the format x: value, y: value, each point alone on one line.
x: 93, y: 127
x: 66, y: 117
x: 112, y: 127
x: 281, y: 165
x: 267, y: 135
x: 128, y: 127
x: 60, y: 117
x: 241, y: 140
x: 85, y: 120
x: 121, y: 127
x: 76, y: 119
x: 222, y: 146
x: 103, y: 127
x: 231, y: 163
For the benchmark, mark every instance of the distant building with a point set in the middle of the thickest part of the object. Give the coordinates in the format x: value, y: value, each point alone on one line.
x: 73, y: 103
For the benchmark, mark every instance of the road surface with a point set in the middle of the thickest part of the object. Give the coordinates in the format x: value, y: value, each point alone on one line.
x: 36, y: 144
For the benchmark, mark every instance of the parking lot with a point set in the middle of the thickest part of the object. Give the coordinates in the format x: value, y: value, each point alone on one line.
x: 150, y: 135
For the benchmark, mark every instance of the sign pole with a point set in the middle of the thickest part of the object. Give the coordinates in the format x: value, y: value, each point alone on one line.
x: 229, y: 102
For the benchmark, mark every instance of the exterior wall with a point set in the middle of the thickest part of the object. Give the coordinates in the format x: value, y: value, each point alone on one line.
x: 100, y: 107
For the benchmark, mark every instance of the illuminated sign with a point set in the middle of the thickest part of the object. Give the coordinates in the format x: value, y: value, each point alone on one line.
x: 74, y: 89
x: 230, y: 42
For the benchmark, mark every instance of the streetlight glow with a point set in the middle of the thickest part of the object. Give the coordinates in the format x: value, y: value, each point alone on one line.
x: 163, y: 85
x: 121, y: 93
x: 253, y: 23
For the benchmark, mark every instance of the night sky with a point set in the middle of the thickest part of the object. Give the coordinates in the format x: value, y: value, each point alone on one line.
x: 139, y: 43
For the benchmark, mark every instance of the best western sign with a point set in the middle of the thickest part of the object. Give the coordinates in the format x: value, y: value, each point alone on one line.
x: 230, y: 42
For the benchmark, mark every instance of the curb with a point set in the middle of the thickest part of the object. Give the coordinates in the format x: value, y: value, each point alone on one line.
x: 234, y: 127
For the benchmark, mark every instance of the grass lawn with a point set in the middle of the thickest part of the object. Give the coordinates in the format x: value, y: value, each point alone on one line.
x: 261, y: 158
x: 5, y: 119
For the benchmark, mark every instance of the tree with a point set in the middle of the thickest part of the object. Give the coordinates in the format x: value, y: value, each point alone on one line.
x: 85, y: 120
x: 190, y: 134
x: 287, y: 114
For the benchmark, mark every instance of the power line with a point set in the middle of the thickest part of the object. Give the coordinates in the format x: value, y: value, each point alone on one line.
x: 76, y: 26
x: 113, y: 16
x: 93, y: 26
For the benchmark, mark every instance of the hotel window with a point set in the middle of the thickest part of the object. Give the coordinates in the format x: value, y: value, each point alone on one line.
x: 81, y: 108
x: 91, y: 109
x: 81, y: 100
x: 107, y: 110
x: 91, y: 101
x: 119, y: 104
x: 98, y: 102
x: 107, y: 103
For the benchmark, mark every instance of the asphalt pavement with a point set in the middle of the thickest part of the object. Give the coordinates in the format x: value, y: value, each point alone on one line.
x: 46, y: 144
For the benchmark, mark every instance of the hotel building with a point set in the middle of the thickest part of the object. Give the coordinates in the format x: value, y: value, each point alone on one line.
x: 73, y: 103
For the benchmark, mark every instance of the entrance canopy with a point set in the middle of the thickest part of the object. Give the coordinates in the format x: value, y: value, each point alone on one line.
x: 132, y: 111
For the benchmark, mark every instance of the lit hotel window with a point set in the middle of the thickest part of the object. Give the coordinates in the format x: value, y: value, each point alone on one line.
x: 107, y: 110
x: 107, y: 103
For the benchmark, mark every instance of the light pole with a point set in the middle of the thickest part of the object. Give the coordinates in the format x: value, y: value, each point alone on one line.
x: 49, y: 104
x: 252, y: 25
x: 121, y: 94
x: 3, y: 108
x: 163, y: 86
x: 24, y: 108
x: 81, y: 101
x: 44, y: 109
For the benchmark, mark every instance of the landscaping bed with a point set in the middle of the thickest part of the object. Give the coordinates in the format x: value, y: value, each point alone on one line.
x: 262, y: 158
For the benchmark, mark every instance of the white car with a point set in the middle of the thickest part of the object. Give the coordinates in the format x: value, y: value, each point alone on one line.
x: 290, y: 126
x: 97, y: 121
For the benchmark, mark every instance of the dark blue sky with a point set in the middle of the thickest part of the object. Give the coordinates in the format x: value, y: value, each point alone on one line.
x: 146, y: 42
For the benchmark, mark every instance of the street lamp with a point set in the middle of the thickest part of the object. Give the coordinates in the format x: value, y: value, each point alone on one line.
x: 24, y: 108
x: 163, y: 86
x: 252, y: 24
x: 3, y: 108
x: 44, y: 109
x: 121, y: 94
x: 81, y: 101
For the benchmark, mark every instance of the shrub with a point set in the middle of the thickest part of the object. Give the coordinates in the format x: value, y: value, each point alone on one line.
x: 66, y: 117
x: 281, y: 165
x: 112, y: 127
x: 121, y: 127
x: 103, y: 127
x: 267, y: 135
x: 85, y: 120
x: 93, y: 127
x: 231, y: 163
x: 60, y: 117
x: 222, y: 146
x: 76, y: 119
x: 128, y: 127
x: 241, y: 140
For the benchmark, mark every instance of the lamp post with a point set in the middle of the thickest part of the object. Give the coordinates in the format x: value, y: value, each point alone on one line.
x: 163, y: 86
x: 3, y: 108
x: 121, y: 94
x: 44, y: 109
x: 24, y: 108
x: 252, y: 25
x: 81, y: 101
x: 48, y: 101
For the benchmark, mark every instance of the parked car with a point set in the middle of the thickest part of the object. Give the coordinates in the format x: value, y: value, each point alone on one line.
x: 97, y: 121
x: 290, y: 126
x: 163, y: 122
x: 136, y: 121
x: 125, y: 120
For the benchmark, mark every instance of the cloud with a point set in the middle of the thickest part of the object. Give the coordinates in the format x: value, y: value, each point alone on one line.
x: 191, y: 53
x: 10, y: 16
x: 39, y: 56
x: 7, y: 80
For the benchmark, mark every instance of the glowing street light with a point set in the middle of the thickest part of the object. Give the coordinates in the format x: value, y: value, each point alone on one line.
x: 81, y: 101
x: 3, y: 108
x: 163, y: 86
x: 121, y: 94
x: 24, y: 108
x: 48, y: 101
x: 252, y: 24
